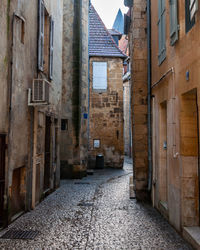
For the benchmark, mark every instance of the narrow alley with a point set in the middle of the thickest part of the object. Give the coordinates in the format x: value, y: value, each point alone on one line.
x: 95, y: 213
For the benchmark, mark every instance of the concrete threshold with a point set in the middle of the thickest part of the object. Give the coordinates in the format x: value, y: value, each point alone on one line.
x: 192, y: 235
x: 131, y: 188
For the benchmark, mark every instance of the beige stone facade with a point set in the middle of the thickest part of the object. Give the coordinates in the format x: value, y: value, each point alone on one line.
x: 176, y: 121
x: 23, y: 127
x: 74, y: 137
x: 174, y: 104
x: 138, y: 54
x: 106, y: 115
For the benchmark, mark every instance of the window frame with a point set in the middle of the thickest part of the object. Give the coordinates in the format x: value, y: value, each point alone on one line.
x: 161, y: 31
x: 94, y: 78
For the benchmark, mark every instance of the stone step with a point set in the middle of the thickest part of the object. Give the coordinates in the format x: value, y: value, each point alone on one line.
x: 192, y: 235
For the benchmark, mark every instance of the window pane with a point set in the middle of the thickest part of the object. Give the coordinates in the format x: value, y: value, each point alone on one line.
x: 100, y: 75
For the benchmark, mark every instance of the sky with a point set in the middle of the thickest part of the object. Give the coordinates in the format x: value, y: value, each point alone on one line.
x: 107, y: 10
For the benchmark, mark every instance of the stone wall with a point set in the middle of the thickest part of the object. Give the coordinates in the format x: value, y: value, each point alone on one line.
x: 180, y: 95
x: 74, y: 139
x: 138, y: 54
x: 127, y: 119
x: 106, y: 115
x: 24, y: 132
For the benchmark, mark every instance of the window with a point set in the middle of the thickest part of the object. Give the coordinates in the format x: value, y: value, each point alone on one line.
x: 161, y: 31
x: 45, y: 41
x: 100, y: 75
x: 190, y: 10
x: 64, y: 124
x: 174, y: 27
x: 96, y: 143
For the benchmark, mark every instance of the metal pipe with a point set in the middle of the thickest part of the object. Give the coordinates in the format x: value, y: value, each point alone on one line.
x: 149, y: 95
x: 88, y: 79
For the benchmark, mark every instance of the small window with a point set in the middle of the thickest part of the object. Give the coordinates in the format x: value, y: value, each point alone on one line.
x: 45, y: 41
x: 189, y: 23
x: 100, y: 76
x: 161, y: 31
x: 64, y: 124
x: 174, y: 27
x: 96, y: 143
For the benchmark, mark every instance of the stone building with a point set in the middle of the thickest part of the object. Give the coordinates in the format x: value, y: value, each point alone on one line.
x: 30, y: 103
x: 166, y: 85
x: 136, y: 24
x: 74, y: 123
x: 106, y: 95
x: 175, y: 99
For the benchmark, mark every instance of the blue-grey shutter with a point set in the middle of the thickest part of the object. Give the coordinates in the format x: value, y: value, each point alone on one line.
x: 40, y: 34
x: 161, y: 31
x: 51, y: 48
x: 193, y: 8
x: 174, y: 27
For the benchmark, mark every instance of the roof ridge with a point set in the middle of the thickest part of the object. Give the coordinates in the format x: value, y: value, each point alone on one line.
x: 108, y: 33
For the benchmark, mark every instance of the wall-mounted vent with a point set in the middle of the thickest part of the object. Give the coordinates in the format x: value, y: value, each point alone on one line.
x: 40, y: 91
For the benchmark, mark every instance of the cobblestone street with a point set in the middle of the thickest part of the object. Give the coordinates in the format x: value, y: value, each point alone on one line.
x: 95, y: 213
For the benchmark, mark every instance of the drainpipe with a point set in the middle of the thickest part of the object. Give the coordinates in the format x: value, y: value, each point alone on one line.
x: 149, y: 95
x: 88, y: 130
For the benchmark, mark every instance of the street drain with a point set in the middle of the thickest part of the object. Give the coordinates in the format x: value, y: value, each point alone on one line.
x: 82, y: 183
x: 85, y: 204
x: 20, y: 234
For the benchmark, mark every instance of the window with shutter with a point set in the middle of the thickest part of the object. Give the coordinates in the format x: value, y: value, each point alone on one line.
x: 100, y: 75
x: 193, y: 8
x: 51, y: 48
x: 174, y: 27
x: 40, y: 34
x: 189, y: 23
x: 161, y: 31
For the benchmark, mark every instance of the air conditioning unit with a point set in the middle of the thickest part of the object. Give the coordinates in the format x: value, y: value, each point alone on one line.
x: 40, y: 91
x: 39, y: 94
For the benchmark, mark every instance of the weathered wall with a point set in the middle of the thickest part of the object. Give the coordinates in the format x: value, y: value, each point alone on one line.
x: 106, y: 115
x: 182, y: 98
x: 127, y: 118
x: 75, y: 88
x: 18, y: 123
x: 4, y: 25
x: 138, y: 53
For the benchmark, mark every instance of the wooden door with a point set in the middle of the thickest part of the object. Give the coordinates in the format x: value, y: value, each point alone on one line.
x: 47, y: 163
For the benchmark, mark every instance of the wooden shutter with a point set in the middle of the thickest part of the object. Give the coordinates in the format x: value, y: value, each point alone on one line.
x: 193, y: 8
x: 161, y: 31
x: 174, y: 27
x: 51, y: 48
x: 40, y: 34
x: 100, y: 75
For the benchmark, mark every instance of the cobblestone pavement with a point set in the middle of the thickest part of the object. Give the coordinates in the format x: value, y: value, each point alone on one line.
x: 95, y: 213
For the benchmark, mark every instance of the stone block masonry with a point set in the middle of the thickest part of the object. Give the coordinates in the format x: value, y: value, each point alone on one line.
x: 138, y: 50
x: 106, y: 116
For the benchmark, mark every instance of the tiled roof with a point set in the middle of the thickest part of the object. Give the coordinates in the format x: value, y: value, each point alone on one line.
x: 101, y: 42
x: 114, y: 32
x: 119, y: 22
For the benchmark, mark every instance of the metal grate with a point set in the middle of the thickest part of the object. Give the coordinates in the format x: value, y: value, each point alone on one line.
x: 81, y: 183
x: 85, y: 204
x: 20, y: 234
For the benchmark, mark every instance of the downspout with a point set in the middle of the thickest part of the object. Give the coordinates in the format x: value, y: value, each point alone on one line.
x: 88, y: 130
x: 149, y: 95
